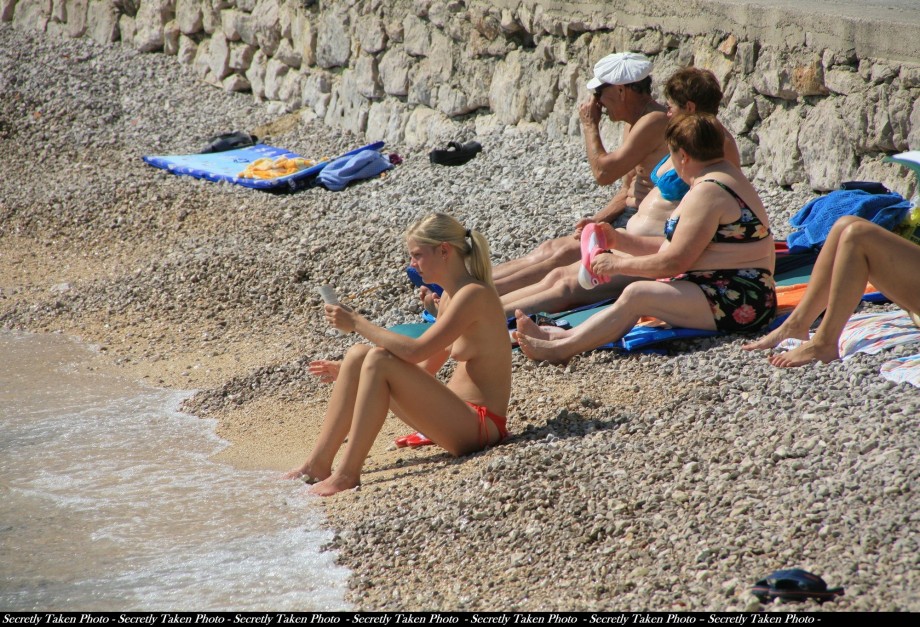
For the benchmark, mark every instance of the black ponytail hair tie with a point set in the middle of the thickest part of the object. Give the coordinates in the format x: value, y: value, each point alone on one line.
x: 469, y: 234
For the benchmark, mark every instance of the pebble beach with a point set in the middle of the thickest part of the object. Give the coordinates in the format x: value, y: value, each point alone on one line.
x: 632, y: 482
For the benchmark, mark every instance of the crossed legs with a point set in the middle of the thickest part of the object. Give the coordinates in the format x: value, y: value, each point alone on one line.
x: 856, y: 252
x: 370, y: 382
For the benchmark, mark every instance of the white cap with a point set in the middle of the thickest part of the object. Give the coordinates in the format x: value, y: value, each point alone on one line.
x: 620, y: 68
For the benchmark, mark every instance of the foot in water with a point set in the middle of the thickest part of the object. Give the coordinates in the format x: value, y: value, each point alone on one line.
x: 807, y: 353
x: 307, y: 474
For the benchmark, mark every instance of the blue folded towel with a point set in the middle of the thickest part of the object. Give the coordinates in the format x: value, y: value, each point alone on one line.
x: 361, y: 165
x: 815, y: 219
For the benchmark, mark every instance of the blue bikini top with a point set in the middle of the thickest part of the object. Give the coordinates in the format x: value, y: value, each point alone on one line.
x: 671, y: 186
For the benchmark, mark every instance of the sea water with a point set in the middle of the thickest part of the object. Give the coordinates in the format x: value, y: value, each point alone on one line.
x: 109, y: 501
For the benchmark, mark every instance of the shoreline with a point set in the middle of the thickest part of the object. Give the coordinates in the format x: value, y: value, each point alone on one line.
x: 631, y: 482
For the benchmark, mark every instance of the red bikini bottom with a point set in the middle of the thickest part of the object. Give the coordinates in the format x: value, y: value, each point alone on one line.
x: 500, y: 423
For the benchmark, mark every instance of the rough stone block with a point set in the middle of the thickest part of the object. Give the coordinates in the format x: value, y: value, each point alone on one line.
x: 417, y: 39
x: 171, y: 35
x: 843, y: 80
x: 317, y: 87
x: 256, y: 74
x: 219, y: 56
x: 303, y: 38
x: 7, y: 9
x: 275, y: 72
x: 102, y: 22
x: 151, y: 18
x: 187, y: 51
x: 240, y: 57
x: 287, y: 54
x: 30, y: 15
x: 347, y: 108
x: 394, y: 68
x: 126, y: 29
x: 827, y: 147
x: 371, y: 33
x: 367, y: 77
x: 267, y: 27
x: 231, y: 24
x: 387, y: 121
x: 333, y: 40
x: 235, y: 82
x: 189, y: 16
x: 778, y: 154
x: 505, y: 98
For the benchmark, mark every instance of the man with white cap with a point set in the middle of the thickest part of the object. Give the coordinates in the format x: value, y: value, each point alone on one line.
x: 622, y: 86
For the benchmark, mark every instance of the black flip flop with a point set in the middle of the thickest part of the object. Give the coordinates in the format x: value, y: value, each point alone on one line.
x: 455, y: 154
x: 229, y: 141
x: 794, y: 584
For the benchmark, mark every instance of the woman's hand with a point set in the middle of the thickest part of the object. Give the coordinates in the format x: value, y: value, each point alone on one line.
x: 604, y: 265
x: 580, y: 226
x: 431, y: 301
x: 341, y: 317
x: 327, y: 371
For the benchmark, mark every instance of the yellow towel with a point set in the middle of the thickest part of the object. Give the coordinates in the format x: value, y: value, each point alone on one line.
x: 266, y: 168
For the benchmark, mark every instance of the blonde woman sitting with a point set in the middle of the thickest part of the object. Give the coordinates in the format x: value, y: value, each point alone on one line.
x: 397, y: 373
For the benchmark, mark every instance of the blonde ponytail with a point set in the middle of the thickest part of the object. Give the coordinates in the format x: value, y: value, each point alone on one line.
x: 437, y: 228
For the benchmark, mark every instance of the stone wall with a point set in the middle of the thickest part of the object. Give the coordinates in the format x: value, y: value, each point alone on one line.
x: 811, y: 107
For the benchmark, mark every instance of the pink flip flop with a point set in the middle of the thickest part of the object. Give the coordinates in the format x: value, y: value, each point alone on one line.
x: 593, y: 243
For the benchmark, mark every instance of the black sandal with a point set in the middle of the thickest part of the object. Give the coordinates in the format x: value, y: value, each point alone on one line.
x: 794, y: 584
x: 455, y: 154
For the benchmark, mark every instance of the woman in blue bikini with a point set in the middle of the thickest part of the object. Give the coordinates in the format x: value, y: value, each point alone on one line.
x: 714, y: 270
x: 396, y: 372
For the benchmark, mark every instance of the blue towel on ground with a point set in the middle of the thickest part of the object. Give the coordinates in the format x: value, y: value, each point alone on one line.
x: 362, y: 165
x: 815, y: 219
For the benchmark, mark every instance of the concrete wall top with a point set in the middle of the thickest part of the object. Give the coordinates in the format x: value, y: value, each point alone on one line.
x: 881, y: 29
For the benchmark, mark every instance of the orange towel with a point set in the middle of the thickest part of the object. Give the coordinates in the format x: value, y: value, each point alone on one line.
x: 266, y: 168
x: 788, y: 296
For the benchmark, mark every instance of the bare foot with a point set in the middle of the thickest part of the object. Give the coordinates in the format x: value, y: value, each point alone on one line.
x: 307, y: 474
x: 334, y: 485
x: 807, y: 353
x: 531, y: 329
x: 541, y: 350
x: 774, y: 337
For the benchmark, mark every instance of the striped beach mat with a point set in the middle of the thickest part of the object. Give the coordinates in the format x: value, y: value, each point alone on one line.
x: 871, y: 333
x: 226, y: 166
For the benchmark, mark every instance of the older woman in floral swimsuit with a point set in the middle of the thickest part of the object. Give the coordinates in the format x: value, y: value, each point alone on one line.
x: 714, y: 270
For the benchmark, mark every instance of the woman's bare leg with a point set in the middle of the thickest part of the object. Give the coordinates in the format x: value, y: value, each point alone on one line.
x: 560, y: 290
x: 526, y: 270
x: 337, y: 421
x: 679, y: 303
x: 424, y: 403
x: 864, y: 252
x: 816, y: 297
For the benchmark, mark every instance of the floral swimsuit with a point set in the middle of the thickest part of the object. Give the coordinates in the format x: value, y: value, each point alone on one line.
x: 741, y: 300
